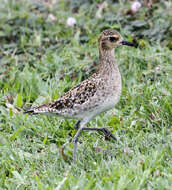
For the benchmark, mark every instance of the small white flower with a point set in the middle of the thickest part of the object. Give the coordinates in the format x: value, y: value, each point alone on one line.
x: 158, y: 68
x: 135, y: 6
x: 52, y: 17
x: 71, y: 21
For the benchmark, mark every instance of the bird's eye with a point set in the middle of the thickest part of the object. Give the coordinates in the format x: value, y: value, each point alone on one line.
x: 113, y: 39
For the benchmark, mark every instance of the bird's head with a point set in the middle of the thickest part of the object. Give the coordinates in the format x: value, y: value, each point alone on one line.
x: 109, y: 39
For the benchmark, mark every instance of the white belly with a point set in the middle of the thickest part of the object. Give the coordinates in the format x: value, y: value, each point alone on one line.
x: 108, y: 104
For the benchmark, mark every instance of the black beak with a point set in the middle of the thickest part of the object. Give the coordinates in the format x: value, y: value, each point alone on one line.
x: 128, y: 43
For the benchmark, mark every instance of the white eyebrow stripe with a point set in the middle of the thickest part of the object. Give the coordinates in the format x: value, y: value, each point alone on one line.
x: 116, y: 36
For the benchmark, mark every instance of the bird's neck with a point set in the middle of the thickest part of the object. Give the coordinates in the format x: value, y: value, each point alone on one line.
x: 107, y: 63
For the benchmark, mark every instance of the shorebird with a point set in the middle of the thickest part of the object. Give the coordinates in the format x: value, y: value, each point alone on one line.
x: 93, y: 96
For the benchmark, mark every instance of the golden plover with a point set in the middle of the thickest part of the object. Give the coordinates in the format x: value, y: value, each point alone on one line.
x: 93, y: 96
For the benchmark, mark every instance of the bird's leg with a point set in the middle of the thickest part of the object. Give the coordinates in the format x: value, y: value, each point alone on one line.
x: 80, y: 126
x: 76, y: 126
x: 75, y: 140
x: 106, y: 132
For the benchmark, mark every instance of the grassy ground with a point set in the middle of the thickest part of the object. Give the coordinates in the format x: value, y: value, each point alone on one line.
x: 41, y: 58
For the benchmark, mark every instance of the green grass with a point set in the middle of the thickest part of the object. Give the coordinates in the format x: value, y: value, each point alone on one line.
x: 40, y: 59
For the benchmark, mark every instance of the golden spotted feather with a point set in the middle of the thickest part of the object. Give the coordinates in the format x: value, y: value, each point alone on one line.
x: 68, y: 104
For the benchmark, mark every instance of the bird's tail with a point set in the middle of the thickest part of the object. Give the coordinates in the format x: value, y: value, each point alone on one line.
x: 42, y: 109
x: 30, y: 111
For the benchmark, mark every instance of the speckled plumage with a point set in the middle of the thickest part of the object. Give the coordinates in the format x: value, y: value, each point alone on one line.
x: 95, y: 95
